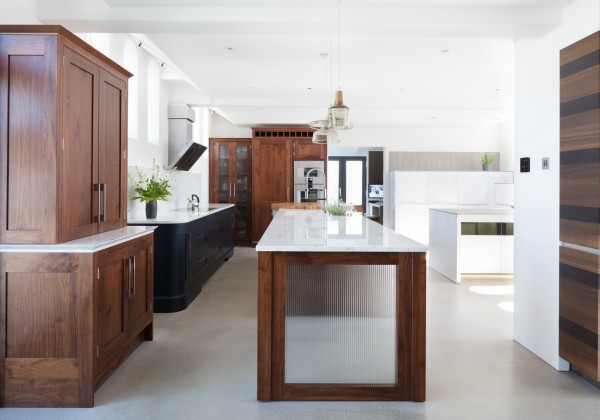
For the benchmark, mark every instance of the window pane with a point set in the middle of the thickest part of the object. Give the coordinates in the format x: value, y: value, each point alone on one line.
x: 354, y: 182
x: 333, y: 179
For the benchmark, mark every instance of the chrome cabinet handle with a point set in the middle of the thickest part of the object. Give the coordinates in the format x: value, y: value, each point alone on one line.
x: 129, y: 277
x: 133, y: 277
x: 104, y: 190
x: 234, y: 190
x: 230, y: 189
x: 97, y: 187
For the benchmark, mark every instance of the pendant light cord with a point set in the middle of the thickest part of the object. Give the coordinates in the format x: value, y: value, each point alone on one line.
x: 338, y: 51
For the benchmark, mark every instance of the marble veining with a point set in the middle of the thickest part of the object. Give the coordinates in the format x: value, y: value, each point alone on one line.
x: 314, y: 230
x: 89, y: 244
x: 182, y: 215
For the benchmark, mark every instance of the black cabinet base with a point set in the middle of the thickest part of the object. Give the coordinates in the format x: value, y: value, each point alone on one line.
x: 165, y: 304
x: 186, y: 255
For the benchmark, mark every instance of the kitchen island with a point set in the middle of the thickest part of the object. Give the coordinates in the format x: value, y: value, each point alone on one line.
x: 341, y: 310
x: 471, y: 240
x: 190, y: 245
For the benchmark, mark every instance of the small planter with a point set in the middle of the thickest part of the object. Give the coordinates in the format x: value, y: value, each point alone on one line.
x: 151, y: 209
x: 486, y: 166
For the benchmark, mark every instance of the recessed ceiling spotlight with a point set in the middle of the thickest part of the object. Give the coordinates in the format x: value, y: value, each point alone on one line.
x: 498, y: 89
x: 229, y: 48
x: 309, y: 88
x: 445, y: 51
x: 433, y: 118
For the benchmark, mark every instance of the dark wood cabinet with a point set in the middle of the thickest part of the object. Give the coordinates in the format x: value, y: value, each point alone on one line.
x: 305, y: 149
x: 273, y: 152
x: 272, y: 180
x: 230, y: 180
x: 186, y: 255
x: 63, y: 145
x: 124, y: 282
x: 70, y: 319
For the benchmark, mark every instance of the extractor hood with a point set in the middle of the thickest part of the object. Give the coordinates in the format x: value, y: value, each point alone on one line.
x: 183, y: 151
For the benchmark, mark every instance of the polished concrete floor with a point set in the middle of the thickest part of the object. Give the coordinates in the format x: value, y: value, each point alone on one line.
x: 202, y: 364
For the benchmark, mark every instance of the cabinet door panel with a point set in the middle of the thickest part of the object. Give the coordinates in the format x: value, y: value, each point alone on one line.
x: 140, y: 292
x: 305, y: 149
x: 28, y: 137
x: 78, y: 198
x: 112, y: 312
x: 112, y: 167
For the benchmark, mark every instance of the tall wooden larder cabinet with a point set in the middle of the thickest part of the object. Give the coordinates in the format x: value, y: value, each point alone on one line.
x: 231, y: 182
x: 66, y: 136
x: 274, y: 151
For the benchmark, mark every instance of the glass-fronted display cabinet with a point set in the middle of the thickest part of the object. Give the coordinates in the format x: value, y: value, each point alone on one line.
x: 230, y: 182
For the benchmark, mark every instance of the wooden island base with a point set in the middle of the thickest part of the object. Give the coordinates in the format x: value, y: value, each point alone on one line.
x: 276, y: 305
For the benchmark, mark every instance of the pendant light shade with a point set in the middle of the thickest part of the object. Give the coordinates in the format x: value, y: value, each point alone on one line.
x: 324, y: 134
x: 339, y: 114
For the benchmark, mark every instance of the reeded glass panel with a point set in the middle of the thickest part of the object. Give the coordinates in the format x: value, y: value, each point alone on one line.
x: 340, y: 324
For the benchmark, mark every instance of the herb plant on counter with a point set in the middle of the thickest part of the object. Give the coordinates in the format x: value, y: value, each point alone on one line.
x: 152, y: 188
x: 336, y: 208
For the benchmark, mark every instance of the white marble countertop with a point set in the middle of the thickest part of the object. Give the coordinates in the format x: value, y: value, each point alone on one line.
x: 314, y: 230
x: 89, y: 244
x: 182, y: 215
x: 478, y: 211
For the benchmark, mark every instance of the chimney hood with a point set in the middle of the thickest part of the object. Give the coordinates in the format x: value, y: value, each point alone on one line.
x: 183, y: 151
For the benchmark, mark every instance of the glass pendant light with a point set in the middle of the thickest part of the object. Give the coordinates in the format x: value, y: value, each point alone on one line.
x: 339, y: 114
x: 324, y: 133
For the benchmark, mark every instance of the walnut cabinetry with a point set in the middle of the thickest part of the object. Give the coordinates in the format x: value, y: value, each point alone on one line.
x: 124, y: 302
x: 579, y: 270
x: 273, y: 152
x: 70, y: 319
x: 231, y: 182
x: 63, y: 125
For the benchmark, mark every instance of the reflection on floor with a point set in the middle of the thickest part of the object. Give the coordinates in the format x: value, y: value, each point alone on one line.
x: 202, y: 365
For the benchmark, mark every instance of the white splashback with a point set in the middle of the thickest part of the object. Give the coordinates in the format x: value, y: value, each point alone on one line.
x: 185, y: 184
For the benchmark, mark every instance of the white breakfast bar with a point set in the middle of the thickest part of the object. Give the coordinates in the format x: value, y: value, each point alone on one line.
x: 341, y: 310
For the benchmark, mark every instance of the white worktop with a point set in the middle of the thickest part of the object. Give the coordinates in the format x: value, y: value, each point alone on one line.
x: 478, y: 211
x: 89, y: 244
x: 315, y: 231
x: 182, y: 215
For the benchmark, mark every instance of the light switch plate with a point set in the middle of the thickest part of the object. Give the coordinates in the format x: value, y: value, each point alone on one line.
x: 524, y: 164
x: 546, y: 163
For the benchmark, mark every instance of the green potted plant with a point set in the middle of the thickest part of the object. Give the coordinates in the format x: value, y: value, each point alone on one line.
x: 152, y: 188
x: 336, y: 208
x: 487, y: 160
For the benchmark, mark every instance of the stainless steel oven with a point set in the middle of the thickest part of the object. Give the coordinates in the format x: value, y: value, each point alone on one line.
x: 309, y: 180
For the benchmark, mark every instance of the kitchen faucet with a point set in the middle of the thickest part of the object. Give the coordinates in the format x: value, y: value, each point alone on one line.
x: 308, y: 183
x: 195, y: 202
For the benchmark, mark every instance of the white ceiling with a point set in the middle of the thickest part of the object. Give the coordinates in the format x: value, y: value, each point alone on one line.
x: 418, y: 63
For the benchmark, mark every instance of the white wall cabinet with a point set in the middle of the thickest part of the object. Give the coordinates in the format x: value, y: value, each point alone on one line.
x: 410, y: 195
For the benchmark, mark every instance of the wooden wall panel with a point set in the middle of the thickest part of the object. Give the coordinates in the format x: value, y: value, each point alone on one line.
x: 579, y: 311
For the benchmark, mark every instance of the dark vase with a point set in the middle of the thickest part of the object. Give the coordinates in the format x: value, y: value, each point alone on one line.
x: 151, y: 209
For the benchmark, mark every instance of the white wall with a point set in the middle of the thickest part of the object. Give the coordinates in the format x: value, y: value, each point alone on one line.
x: 141, y: 152
x: 537, y: 123
x: 494, y: 138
